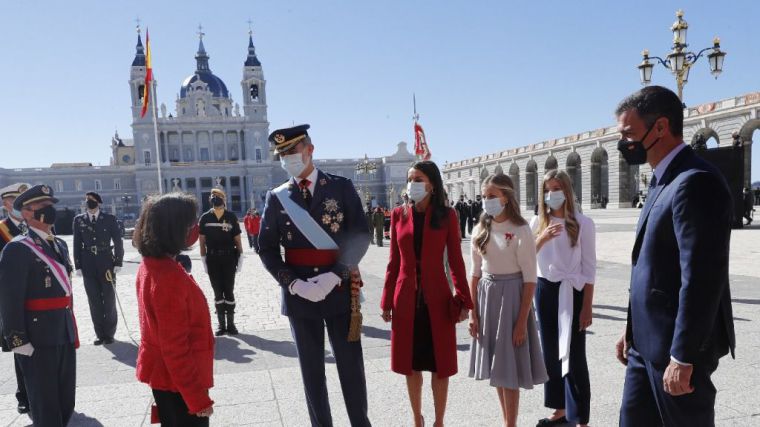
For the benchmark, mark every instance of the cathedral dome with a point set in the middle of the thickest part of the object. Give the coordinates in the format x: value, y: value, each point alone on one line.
x: 203, y: 74
x: 214, y: 84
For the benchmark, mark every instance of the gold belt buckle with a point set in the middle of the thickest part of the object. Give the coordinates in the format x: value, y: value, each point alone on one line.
x: 94, y: 250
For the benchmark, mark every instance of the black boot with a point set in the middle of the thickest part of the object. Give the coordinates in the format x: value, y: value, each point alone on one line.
x: 220, y: 310
x: 231, y: 329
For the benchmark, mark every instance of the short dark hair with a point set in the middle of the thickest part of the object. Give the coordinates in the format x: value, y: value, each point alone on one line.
x: 164, y: 223
x: 94, y: 195
x: 653, y: 102
x: 438, y: 195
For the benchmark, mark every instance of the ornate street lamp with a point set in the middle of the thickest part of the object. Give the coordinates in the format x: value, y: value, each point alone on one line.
x: 366, y: 167
x: 679, y: 61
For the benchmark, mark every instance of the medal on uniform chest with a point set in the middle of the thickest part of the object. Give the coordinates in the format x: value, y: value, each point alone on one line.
x: 290, y: 235
x: 332, y: 217
x: 48, y: 282
x: 322, y: 181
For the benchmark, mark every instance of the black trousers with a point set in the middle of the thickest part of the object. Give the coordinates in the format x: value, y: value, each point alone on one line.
x: 173, y: 412
x: 462, y: 225
x: 102, y: 300
x: 309, y: 336
x: 573, y: 391
x: 221, y: 273
x: 21, y: 396
x: 645, y: 402
x: 50, y: 379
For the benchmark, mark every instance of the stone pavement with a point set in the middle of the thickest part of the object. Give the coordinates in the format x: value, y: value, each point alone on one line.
x: 258, y: 380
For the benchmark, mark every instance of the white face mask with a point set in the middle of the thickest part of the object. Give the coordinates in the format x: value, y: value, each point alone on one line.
x: 416, y: 191
x: 493, y: 207
x: 555, y: 199
x: 293, y: 164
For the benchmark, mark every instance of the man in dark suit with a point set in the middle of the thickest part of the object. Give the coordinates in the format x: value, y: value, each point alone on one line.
x: 11, y: 227
x: 97, y: 262
x: 463, y: 211
x: 318, y: 218
x: 36, y: 309
x: 679, y: 314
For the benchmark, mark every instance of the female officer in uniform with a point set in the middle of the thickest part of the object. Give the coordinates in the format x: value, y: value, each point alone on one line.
x: 222, y: 255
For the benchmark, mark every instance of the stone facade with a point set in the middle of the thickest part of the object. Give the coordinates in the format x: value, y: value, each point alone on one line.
x: 592, y: 160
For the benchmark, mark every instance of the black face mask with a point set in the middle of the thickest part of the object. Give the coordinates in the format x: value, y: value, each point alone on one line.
x: 634, y: 152
x: 46, y: 214
x: 217, y: 201
x: 91, y: 204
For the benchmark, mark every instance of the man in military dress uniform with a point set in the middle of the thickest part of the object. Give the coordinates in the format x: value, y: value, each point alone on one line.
x: 36, y: 312
x: 11, y: 227
x: 319, y: 220
x: 97, y: 263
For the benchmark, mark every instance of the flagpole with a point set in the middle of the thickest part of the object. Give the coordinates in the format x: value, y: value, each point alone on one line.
x: 155, y: 133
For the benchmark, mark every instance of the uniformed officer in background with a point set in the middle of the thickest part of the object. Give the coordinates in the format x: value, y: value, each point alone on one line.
x: 36, y: 312
x: 11, y: 227
x: 222, y: 255
x: 318, y: 218
x: 97, y: 263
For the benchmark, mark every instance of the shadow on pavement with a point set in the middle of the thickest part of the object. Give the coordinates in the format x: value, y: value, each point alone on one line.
x: 746, y: 301
x: 612, y: 307
x: 82, y: 420
x: 606, y: 317
x: 229, y: 349
x: 280, y: 348
x: 372, y: 332
x: 124, y: 352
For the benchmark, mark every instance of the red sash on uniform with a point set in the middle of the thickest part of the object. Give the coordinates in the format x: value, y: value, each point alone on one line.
x: 56, y: 303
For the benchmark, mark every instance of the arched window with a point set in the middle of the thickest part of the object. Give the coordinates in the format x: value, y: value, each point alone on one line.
x: 141, y: 93
x: 254, y: 92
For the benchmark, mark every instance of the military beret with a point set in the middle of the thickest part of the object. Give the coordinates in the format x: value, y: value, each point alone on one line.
x: 284, y: 139
x: 37, y: 193
x: 94, y: 195
x: 218, y: 192
x: 14, y: 190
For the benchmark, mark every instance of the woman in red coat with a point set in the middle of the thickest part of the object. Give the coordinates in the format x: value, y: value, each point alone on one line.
x: 176, y: 352
x: 417, y: 297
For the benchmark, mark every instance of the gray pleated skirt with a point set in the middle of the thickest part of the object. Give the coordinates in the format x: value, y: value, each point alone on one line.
x: 492, y: 355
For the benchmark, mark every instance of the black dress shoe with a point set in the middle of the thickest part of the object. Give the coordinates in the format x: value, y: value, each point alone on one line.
x: 23, y: 408
x: 98, y: 342
x: 108, y: 341
x: 546, y: 422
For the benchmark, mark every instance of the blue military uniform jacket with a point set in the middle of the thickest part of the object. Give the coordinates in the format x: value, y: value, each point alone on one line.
x: 336, y: 206
x: 8, y: 231
x: 24, y: 276
x: 92, y: 244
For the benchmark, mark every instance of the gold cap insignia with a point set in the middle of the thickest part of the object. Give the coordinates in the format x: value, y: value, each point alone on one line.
x: 279, y: 138
x: 45, y: 189
x: 22, y: 188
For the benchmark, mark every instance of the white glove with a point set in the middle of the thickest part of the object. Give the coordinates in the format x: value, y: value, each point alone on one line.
x: 79, y: 273
x: 116, y: 269
x: 205, y: 267
x: 239, y: 264
x: 326, y: 281
x: 307, y: 290
x: 26, y: 349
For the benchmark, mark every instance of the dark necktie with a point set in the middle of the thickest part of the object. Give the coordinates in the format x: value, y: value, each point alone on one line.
x: 93, y: 218
x: 304, y: 186
x: 653, y: 182
x: 51, y: 241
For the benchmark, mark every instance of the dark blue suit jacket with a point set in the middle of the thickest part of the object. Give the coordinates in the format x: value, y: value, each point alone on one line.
x: 337, y: 208
x: 680, y: 302
x: 24, y: 276
x: 100, y: 234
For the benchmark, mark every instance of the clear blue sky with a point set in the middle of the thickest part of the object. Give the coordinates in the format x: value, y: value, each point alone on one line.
x: 488, y: 74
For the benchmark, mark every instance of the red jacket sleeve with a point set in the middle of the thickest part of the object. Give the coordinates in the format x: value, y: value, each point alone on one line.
x: 456, y: 262
x: 394, y: 263
x: 172, y: 310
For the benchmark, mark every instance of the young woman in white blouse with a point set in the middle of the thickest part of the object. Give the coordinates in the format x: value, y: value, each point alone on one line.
x: 505, y: 347
x: 566, y: 252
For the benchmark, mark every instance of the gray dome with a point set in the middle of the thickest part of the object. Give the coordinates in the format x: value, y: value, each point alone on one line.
x: 215, y: 85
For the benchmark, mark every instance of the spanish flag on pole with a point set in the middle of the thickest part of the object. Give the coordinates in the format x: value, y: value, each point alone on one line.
x: 148, y: 75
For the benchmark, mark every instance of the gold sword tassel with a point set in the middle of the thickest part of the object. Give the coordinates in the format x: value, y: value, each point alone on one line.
x: 355, y: 327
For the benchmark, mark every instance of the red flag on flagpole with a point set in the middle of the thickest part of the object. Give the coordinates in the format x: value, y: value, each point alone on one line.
x: 148, y: 76
x: 421, y: 149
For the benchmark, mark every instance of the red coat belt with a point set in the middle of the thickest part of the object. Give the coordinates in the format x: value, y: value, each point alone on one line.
x: 311, y: 257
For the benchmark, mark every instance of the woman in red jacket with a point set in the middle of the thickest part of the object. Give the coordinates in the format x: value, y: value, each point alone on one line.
x: 176, y: 352
x: 417, y: 297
